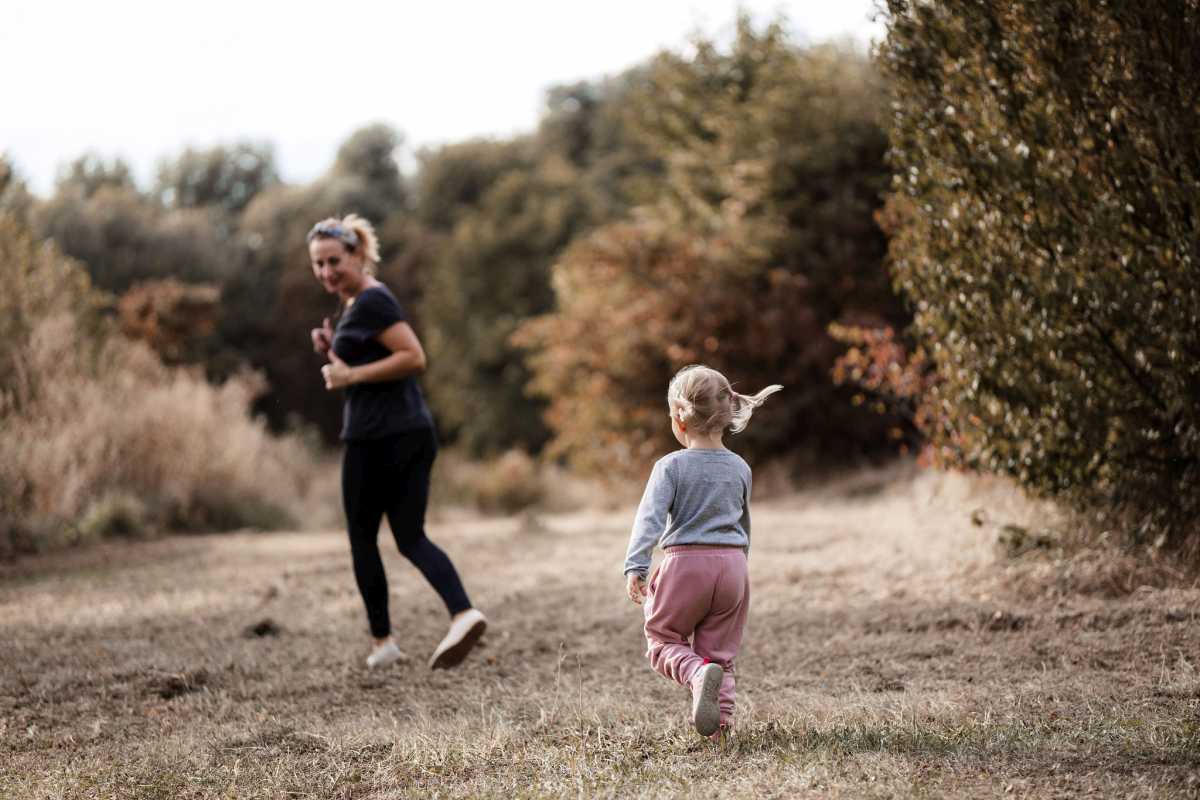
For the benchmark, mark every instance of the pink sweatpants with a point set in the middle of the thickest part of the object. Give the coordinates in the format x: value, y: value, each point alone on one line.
x: 696, y: 608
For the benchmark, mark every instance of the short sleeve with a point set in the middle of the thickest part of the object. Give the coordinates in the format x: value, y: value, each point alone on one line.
x: 376, y: 311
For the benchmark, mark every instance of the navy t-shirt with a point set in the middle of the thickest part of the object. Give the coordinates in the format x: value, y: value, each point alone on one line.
x: 383, y: 408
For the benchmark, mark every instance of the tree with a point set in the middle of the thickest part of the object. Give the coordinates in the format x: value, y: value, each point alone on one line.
x: 492, y: 272
x: 15, y: 199
x: 222, y: 177
x: 500, y: 213
x: 759, y: 234
x: 367, y: 174
x: 594, y: 126
x: 453, y: 179
x: 1047, y: 173
x: 123, y: 237
x: 90, y: 173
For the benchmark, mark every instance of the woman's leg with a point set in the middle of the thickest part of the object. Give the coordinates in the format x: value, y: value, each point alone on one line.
x: 364, y: 510
x: 409, y: 496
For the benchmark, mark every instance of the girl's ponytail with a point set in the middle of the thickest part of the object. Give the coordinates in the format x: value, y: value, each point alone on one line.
x: 743, y: 406
x: 702, y: 397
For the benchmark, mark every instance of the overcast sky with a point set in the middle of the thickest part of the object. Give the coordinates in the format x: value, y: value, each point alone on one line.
x: 142, y: 80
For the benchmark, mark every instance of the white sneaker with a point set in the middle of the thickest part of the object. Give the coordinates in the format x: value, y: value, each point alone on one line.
x: 706, y: 706
x: 385, y: 654
x: 460, y: 639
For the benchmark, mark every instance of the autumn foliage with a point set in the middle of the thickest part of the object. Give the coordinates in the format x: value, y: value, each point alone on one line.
x: 758, y: 236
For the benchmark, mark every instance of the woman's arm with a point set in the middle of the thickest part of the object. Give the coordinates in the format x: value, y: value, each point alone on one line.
x: 407, y: 358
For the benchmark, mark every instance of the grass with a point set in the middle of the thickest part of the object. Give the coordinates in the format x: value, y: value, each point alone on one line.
x: 887, y: 655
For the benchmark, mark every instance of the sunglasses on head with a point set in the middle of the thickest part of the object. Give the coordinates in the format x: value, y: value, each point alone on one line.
x: 333, y: 230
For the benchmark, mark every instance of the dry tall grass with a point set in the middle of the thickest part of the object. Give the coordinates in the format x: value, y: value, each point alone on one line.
x: 99, y: 437
x: 118, y: 424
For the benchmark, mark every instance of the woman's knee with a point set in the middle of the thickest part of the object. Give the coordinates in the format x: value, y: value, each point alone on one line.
x: 414, y: 546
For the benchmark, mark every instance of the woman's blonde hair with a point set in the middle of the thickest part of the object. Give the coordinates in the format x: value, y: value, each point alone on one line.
x: 703, y: 399
x: 356, y: 235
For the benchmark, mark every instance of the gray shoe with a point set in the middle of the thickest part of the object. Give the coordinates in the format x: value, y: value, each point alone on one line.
x: 462, y: 637
x: 706, y: 692
x: 386, y: 654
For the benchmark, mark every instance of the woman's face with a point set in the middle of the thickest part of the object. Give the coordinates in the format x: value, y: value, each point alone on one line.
x: 338, y: 269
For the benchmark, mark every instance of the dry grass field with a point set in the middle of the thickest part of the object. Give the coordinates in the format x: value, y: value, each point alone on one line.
x: 889, y: 654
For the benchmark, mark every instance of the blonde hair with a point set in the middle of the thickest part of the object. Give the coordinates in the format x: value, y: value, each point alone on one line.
x: 356, y: 235
x: 703, y: 398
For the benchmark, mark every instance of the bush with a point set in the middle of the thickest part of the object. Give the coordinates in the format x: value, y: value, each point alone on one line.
x: 1046, y: 172
x: 173, y: 318
x: 896, y: 379
x: 508, y: 484
x: 511, y: 482
x: 95, y: 427
x: 115, y: 514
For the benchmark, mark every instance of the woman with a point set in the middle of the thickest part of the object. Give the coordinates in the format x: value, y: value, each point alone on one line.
x: 390, y: 441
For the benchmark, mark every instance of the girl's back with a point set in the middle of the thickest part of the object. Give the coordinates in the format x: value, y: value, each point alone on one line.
x: 694, y: 496
x: 712, y: 494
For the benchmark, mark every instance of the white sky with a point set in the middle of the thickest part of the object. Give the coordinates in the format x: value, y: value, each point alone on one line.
x: 142, y: 80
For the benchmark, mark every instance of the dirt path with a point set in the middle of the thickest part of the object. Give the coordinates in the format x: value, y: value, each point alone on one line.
x: 884, y: 658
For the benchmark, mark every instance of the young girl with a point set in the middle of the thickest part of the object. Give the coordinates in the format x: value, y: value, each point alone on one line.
x: 697, y: 505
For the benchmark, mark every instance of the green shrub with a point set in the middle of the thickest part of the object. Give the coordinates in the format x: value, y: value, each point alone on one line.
x: 1047, y: 163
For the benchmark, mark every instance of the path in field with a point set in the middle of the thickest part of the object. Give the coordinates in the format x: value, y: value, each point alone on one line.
x: 885, y: 656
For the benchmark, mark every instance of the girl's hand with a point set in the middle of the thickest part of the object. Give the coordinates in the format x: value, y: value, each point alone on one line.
x: 337, y: 373
x: 635, y: 587
x: 322, y: 337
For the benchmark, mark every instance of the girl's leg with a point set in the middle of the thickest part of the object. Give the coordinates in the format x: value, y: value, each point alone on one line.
x: 413, y: 457
x: 677, y: 600
x: 364, y: 510
x: 718, y: 637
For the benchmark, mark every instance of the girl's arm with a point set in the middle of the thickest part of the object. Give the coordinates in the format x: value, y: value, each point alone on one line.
x: 407, y: 358
x: 650, y: 521
x: 746, y: 491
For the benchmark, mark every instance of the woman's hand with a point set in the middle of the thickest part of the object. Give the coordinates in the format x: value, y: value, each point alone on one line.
x: 322, y: 338
x: 635, y: 587
x: 337, y: 373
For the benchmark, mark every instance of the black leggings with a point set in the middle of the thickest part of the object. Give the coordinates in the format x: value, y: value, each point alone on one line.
x: 391, y: 475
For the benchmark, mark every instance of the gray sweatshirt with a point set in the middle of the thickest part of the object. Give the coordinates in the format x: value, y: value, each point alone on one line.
x: 695, y: 496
